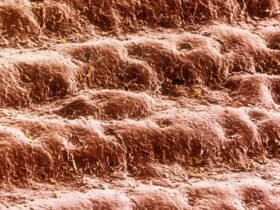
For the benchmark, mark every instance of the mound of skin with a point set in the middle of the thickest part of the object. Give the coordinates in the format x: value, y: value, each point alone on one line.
x: 108, y: 105
x: 139, y: 104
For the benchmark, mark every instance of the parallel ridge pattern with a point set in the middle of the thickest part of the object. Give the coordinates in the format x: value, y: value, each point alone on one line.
x: 142, y: 98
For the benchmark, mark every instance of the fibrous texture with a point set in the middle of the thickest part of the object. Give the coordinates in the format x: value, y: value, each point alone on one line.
x: 168, y: 104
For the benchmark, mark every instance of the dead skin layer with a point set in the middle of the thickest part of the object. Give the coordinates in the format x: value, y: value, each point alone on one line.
x: 168, y: 104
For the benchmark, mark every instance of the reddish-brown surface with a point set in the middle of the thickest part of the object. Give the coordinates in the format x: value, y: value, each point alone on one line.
x: 140, y: 104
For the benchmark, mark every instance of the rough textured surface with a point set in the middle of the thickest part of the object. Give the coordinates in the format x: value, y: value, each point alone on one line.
x: 168, y: 104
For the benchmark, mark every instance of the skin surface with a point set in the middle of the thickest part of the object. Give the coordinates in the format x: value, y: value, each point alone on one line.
x: 168, y: 104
